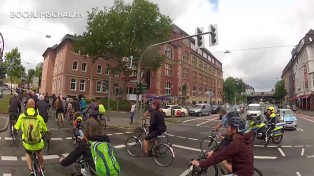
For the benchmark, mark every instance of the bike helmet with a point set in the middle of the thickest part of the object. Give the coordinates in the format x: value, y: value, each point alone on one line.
x: 238, y: 123
x: 272, y: 109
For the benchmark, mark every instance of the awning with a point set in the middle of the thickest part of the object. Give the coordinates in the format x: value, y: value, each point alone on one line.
x: 293, y: 98
x: 306, y: 96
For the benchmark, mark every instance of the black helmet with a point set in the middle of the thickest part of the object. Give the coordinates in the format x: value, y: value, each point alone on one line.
x: 232, y: 114
x: 238, y: 123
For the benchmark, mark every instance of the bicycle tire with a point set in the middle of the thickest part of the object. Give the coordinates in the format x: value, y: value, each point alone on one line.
x: 133, y: 143
x: 203, y: 145
x: 259, y: 172
x: 159, y: 151
x: 13, y: 134
x: 163, y: 139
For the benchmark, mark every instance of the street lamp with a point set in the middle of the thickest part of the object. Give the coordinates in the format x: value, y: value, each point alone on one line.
x: 1, y: 47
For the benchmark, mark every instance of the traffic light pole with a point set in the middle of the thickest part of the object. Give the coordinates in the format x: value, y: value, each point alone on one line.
x: 138, y: 113
x: 109, y: 92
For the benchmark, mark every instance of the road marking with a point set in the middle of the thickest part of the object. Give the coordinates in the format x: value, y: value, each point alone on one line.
x: 119, y: 146
x: 128, y: 132
x: 7, y: 175
x: 204, y: 122
x: 272, y: 146
x: 8, y: 158
x: 193, y: 139
x: 298, y: 129
x: 302, y: 152
x: 301, y: 129
x: 282, y: 153
x: 56, y: 139
x: 259, y: 146
x: 308, y: 145
x: 65, y: 154
x: 187, y: 148
x: 310, y: 156
x: 306, y: 118
x: 185, y: 173
x: 182, y: 137
x: 8, y: 138
x: 118, y: 133
x: 265, y: 157
x: 68, y: 138
x: 298, y: 173
x: 131, y: 143
x: 195, y: 119
x: 170, y: 134
x: 298, y: 146
x: 51, y: 157
x: 286, y: 146
x: 109, y: 134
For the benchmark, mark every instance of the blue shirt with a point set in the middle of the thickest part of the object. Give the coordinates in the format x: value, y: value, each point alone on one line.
x: 83, y: 104
x: 224, y: 121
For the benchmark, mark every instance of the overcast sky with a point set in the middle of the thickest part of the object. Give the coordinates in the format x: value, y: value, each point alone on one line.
x: 242, y: 24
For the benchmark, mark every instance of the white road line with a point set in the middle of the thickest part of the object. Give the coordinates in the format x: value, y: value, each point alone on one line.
x: 68, y: 138
x: 65, y: 154
x: 298, y: 146
x: 182, y: 137
x: 195, y: 119
x: 187, y: 148
x: 204, y: 122
x: 51, y: 157
x: 298, y: 173
x: 119, y: 146
x: 109, y: 134
x: 265, y: 157
x: 298, y: 129
x: 304, y: 118
x: 259, y: 146
x: 56, y: 139
x: 0, y: 137
x: 310, y: 156
x: 8, y: 138
x: 8, y: 158
x: 301, y: 129
x: 285, y: 146
x: 170, y: 135
x: 282, y: 153
x: 185, y: 173
x: 308, y: 145
x: 118, y: 133
x: 302, y: 152
x: 128, y: 132
x: 272, y: 146
x: 131, y: 143
x: 193, y: 139
x: 7, y: 174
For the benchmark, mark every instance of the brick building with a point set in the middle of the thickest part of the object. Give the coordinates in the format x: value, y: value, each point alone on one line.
x: 187, y: 75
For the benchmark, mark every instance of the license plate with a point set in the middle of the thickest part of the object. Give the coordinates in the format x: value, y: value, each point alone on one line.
x: 289, y: 125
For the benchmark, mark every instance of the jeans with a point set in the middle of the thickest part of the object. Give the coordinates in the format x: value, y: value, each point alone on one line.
x: 132, y: 116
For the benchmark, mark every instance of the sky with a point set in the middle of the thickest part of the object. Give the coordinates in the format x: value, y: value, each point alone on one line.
x: 242, y: 24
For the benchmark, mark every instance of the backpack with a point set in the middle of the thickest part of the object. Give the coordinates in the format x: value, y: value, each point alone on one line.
x: 104, y: 159
x: 101, y: 109
x: 31, y: 129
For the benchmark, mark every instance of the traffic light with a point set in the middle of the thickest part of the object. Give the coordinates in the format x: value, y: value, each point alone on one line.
x: 214, y: 35
x: 106, y: 84
x: 200, y: 38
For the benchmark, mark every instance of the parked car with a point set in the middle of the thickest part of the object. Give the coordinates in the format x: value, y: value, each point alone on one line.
x: 216, y: 109
x: 254, y: 110
x: 200, y: 109
x: 178, y: 111
x: 288, y: 117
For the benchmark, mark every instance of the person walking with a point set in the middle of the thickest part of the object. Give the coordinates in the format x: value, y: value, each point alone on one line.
x: 42, y: 108
x: 132, y: 112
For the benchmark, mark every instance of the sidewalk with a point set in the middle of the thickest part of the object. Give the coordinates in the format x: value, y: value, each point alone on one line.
x: 305, y: 112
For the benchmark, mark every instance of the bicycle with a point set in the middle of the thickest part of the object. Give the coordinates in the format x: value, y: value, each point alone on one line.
x: 37, y: 169
x: 13, y: 132
x: 141, y: 131
x: 46, y: 138
x: 215, y: 138
x: 83, y: 169
x: 102, y: 120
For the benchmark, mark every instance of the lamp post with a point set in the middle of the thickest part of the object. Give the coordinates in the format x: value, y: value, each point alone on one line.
x: 1, y: 47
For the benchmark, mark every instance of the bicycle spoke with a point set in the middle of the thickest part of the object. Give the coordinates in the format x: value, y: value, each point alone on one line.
x: 133, y: 146
x: 163, y: 155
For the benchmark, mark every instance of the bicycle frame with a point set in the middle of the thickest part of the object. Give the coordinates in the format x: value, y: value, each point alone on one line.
x: 36, y: 166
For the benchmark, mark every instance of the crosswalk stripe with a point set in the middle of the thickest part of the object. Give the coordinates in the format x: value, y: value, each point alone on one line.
x: 119, y: 146
x: 8, y: 138
x: 56, y: 139
x: 8, y: 158
x: 5, y: 174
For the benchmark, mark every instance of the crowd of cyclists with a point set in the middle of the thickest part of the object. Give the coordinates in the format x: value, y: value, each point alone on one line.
x: 235, y: 151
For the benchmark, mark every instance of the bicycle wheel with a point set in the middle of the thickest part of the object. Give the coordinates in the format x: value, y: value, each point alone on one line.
x: 139, y: 133
x: 257, y: 172
x: 163, y: 139
x: 13, y: 134
x: 197, y: 171
x: 163, y: 155
x: 206, y: 143
x: 134, y: 146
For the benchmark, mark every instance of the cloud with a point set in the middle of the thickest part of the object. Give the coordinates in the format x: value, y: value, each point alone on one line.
x: 241, y: 24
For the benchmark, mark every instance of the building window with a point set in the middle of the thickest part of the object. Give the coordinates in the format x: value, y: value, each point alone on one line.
x: 167, y: 69
x: 167, y: 88
x: 117, y: 74
x: 194, y: 76
x: 107, y: 71
x: 169, y: 52
x: 194, y: 61
x: 74, y: 65
x: 84, y: 67
x: 185, y: 73
x: 131, y: 90
x: 194, y: 91
x: 59, y: 83
x: 73, y: 84
x: 103, y: 87
x: 185, y: 57
x: 82, y: 85
x: 200, y: 92
x: 100, y: 87
x: 99, y: 69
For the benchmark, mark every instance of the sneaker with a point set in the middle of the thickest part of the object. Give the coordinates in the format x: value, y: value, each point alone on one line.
x: 32, y: 174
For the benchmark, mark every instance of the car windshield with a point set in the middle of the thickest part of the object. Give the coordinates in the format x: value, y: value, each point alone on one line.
x: 166, y: 107
x: 214, y: 106
x: 254, y: 108
x: 198, y: 106
x: 287, y: 113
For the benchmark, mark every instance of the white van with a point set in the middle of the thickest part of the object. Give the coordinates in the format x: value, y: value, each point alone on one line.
x: 200, y: 109
x: 254, y: 110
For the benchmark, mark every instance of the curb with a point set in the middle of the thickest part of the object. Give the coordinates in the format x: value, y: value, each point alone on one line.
x: 6, y: 123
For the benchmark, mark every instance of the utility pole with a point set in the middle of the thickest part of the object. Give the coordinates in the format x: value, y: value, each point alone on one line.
x: 109, y: 82
x: 136, y: 120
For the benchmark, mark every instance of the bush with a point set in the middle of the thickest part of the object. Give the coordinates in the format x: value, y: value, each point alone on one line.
x: 124, y: 105
x: 4, y: 103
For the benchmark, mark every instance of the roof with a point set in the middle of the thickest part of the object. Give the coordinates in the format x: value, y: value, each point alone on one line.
x: 56, y: 46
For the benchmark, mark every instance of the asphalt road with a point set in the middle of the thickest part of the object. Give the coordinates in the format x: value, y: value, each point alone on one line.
x: 293, y: 156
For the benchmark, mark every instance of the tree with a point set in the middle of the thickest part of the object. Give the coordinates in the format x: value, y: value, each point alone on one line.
x: 125, y: 30
x: 12, y: 63
x: 30, y: 75
x: 38, y: 72
x: 229, y: 89
x: 280, y: 91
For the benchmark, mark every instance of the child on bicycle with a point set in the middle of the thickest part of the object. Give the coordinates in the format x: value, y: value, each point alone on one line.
x: 78, y: 127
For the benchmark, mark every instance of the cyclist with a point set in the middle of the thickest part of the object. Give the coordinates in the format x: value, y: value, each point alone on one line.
x: 157, y: 125
x: 32, y: 141
x: 42, y: 108
x: 93, y: 132
x: 15, y: 107
x: 240, y: 150
x: 271, y: 121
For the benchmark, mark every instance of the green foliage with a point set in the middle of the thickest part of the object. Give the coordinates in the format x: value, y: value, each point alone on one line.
x: 4, y: 104
x: 2, y: 72
x: 38, y: 72
x: 280, y: 91
x: 124, y: 105
x: 30, y: 75
x: 125, y: 30
x: 12, y: 63
x: 233, y: 89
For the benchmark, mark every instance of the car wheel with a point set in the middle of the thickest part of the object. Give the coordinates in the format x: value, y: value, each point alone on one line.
x: 182, y: 114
